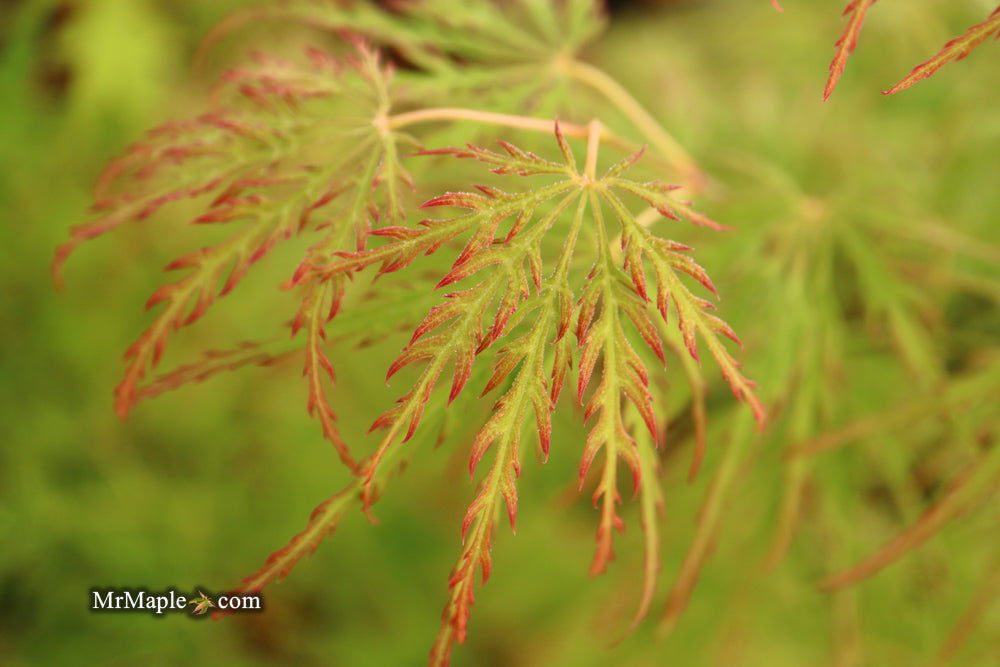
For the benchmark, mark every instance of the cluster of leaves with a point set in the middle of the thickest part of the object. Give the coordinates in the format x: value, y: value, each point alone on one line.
x: 556, y: 272
x: 892, y: 302
x: 845, y: 311
x: 316, y: 149
x: 274, y: 170
x: 956, y: 49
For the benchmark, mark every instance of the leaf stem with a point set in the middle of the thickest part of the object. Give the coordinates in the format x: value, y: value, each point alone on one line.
x: 457, y: 113
x: 593, y: 147
x: 615, y: 93
x: 443, y: 114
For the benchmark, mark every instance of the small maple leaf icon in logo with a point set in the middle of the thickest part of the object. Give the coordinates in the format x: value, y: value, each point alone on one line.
x: 202, y: 604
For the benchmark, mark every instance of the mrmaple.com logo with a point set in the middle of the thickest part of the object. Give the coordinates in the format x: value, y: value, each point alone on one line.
x: 110, y: 599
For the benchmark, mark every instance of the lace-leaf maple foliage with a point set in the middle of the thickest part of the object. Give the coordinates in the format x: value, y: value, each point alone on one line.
x: 559, y: 270
x: 552, y: 274
x: 956, y: 49
x: 273, y: 175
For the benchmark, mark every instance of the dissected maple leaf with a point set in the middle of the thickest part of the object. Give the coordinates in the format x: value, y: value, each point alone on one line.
x: 510, y: 292
x: 263, y: 159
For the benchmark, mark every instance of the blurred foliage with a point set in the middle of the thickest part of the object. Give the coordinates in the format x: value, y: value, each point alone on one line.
x: 862, y: 275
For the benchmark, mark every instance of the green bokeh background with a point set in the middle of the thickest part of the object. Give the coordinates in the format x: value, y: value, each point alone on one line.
x: 200, y: 485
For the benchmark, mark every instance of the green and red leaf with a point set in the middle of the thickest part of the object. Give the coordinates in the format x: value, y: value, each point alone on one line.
x: 956, y: 49
x: 855, y: 12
